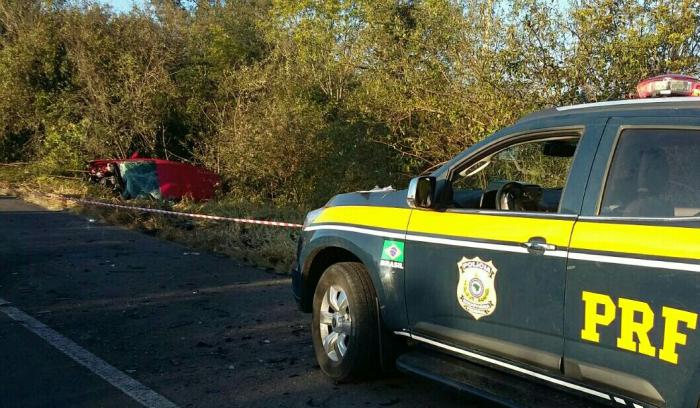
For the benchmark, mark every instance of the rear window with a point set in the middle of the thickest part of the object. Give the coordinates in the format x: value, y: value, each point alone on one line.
x: 654, y: 173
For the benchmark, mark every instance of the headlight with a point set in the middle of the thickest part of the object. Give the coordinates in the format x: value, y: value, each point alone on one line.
x: 311, y: 217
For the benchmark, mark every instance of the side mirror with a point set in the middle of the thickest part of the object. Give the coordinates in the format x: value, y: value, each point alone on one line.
x: 421, y: 191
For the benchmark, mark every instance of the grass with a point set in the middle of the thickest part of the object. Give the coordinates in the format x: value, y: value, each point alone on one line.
x: 263, y: 246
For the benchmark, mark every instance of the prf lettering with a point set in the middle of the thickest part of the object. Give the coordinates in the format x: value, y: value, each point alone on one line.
x: 636, y: 321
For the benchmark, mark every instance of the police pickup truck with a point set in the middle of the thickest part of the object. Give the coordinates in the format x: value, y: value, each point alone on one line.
x: 555, y: 263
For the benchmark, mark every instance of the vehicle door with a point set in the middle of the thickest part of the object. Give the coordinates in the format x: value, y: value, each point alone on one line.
x: 491, y: 277
x: 633, y: 282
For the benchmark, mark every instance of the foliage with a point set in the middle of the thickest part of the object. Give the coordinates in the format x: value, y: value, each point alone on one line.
x: 294, y: 101
x: 62, y: 147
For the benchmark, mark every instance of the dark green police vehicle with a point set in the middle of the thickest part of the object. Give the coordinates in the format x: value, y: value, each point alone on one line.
x: 556, y: 263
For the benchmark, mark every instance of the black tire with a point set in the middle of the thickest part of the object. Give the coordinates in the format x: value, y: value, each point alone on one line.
x: 361, y: 358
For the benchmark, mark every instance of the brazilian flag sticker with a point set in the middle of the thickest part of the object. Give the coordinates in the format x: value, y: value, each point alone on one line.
x: 392, y: 254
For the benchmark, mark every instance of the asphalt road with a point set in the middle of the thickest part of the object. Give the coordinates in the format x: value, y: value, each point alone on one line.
x: 199, y: 329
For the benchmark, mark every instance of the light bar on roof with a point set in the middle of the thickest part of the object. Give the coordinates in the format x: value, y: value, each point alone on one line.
x: 669, y: 85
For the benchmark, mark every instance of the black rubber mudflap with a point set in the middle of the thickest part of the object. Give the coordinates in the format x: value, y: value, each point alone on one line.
x: 495, y: 385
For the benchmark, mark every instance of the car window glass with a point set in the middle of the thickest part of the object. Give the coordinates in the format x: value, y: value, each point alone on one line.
x: 654, y: 173
x: 537, y: 169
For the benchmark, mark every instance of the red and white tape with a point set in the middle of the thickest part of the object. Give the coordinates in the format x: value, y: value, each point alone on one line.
x: 179, y: 214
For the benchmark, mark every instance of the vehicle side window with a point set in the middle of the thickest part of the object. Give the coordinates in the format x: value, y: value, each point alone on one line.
x: 654, y: 173
x: 527, y: 176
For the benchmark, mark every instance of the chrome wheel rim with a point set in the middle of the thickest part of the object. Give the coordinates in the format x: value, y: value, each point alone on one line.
x: 335, y: 323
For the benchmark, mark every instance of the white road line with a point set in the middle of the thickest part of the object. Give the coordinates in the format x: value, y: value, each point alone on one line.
x: 134, y: 389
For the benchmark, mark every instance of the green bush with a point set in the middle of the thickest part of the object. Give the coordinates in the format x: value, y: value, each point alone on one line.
x: 294, y: 101
x: 62, y: 149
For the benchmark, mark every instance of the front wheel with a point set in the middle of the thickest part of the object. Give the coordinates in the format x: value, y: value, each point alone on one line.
x: 344, y: 326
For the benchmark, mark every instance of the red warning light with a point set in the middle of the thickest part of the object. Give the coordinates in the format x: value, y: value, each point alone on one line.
x: 669, y: 85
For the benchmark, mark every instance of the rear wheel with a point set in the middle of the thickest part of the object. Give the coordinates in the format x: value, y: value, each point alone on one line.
x: 344, y: 326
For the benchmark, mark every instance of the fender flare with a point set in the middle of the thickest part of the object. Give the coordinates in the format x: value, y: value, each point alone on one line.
x: 388, y: 284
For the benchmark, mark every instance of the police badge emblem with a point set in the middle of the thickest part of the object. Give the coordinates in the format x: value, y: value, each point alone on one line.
x: 476, y: 291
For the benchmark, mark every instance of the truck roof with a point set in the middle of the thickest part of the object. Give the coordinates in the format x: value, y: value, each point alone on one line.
x: 610, y: 108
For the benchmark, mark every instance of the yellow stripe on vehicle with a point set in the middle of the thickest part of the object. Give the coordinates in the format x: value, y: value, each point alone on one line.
x: 378, y: 217
x: 492, y: 227
x: 674, y: 242
x: 647, y: 240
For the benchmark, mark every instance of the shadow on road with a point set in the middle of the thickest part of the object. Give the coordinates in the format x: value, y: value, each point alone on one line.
x: 203, y: 330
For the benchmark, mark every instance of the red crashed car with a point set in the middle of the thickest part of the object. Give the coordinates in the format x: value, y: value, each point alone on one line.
x: 154, y: 178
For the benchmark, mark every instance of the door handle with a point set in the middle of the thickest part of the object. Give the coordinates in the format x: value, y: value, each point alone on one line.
x: 538, y: 244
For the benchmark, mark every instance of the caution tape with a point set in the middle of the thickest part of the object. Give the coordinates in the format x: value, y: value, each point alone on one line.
x: 178, y: 214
